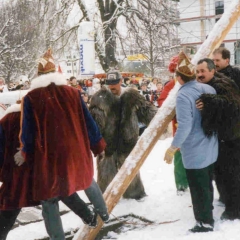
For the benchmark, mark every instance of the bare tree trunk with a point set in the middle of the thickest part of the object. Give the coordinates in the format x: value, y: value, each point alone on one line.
x: 110, y: 47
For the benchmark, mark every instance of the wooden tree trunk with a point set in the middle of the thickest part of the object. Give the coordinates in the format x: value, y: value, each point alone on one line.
x: 151, y: 135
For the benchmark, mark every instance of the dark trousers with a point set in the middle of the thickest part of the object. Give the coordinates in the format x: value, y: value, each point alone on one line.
x: 78, y: 206
x: 7, y: 220
x: 227, y: 174
x: 201, y: 189
x: 51, y: 215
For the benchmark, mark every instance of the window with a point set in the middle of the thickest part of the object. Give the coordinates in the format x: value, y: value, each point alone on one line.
x: 219, y: 8
x: 69, y: 71
x: 69, y: 64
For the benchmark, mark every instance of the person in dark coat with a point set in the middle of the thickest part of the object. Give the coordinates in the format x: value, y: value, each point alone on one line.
x: 221, y: 58
x: 221, y: 116
x: 118, y: 111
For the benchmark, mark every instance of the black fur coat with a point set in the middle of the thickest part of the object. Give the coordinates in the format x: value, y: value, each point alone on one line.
x: 221, y: 112
x: 118, y: 117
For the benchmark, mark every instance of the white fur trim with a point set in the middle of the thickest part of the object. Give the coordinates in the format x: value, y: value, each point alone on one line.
x: 13, y: 108
x: 46, y: 79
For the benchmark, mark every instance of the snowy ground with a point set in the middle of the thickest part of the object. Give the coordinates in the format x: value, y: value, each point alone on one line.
x: 161, y: 205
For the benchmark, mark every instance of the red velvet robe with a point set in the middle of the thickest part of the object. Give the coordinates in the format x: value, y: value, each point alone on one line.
x: 15, y: 191
x: 57, y: 135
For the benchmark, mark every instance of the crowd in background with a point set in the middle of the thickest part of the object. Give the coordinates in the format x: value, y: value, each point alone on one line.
x: 149, y: 88
x: 13, y: 86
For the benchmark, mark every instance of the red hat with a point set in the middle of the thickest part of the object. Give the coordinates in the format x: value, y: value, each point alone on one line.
x: 173, y: 64
x: 46, y: 63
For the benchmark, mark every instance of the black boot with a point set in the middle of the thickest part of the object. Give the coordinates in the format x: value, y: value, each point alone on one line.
x: 91, y: 221
x: 226, y: 215
x: 201, y: 227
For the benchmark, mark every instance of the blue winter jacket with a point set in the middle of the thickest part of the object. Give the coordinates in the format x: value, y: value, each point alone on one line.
x: 198, y: 151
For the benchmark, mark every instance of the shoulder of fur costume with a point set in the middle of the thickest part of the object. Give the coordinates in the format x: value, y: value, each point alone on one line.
x: 103, y: 98
x: 131, y: 92
x: 46, y: 79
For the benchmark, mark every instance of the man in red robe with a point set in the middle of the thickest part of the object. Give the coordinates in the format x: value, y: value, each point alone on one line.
x: 57, y: 137
x: 16, y: 181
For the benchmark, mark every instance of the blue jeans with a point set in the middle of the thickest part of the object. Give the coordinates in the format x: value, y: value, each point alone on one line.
x: 52, y: 219
x: 95, y: 196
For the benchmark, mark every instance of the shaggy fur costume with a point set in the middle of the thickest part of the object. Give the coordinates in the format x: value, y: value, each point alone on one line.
x: 118, y: 118
x: 221, y: 115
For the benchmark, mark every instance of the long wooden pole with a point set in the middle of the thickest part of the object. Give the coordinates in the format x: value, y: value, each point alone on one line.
x: 151, y: 135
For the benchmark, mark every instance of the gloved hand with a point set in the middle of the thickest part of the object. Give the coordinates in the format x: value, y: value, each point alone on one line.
x: 169, y: 154
x: 18, y: 158
x: 101, y: 156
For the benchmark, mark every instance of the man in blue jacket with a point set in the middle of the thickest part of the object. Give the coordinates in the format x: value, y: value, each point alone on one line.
x: 198, y: 151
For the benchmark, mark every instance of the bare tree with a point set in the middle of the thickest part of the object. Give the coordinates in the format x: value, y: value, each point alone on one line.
x: 151, y: 32
x: 24, y: 37
x: 105, y: 20
x: 27, y: 29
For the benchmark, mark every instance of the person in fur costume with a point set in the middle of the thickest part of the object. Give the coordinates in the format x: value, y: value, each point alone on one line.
x: 118, y: 111
x: 221, y: 116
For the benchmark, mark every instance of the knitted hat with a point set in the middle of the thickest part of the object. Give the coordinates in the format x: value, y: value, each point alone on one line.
x: 46, y: 63
x: 184, y: 65
x: 173, y: 64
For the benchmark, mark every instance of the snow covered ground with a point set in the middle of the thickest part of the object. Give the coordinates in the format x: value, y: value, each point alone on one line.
x: 161, y: 205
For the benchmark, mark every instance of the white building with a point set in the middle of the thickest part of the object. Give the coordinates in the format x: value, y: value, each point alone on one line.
x: 70, y: 63
x: 197, y: 18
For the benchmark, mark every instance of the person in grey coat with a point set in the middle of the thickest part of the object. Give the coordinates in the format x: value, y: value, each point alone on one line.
x: 199, y: 152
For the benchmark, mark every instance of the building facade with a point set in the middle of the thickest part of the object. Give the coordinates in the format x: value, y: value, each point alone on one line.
x: 70, y: 64
x: 197, y: 18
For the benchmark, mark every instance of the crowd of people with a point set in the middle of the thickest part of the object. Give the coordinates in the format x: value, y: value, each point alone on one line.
x: 61, y: 122
x: 149, y: 88
x: 13, y: 86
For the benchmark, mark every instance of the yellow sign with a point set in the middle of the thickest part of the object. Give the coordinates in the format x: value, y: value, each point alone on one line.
x: 136, y: 57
